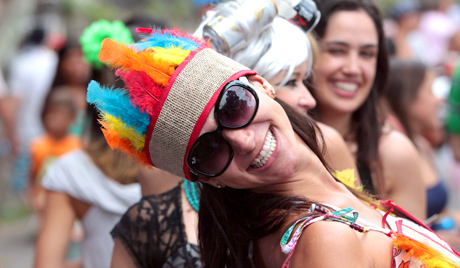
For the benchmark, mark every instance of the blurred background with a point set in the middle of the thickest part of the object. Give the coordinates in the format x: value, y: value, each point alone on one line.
x: 63, y: 21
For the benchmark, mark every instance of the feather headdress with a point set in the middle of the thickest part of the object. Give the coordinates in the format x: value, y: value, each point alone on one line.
x: 172, y: 81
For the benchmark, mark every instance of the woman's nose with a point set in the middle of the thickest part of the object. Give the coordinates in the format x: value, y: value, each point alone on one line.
x: 241, y: 140
x: 306, y: 100
x: 351, y: 66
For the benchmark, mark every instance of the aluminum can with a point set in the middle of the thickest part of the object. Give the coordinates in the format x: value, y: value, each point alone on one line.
x: 223, y: 33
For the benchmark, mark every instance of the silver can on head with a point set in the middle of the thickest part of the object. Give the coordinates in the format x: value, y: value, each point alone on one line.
x: 223, y: 33
x: 225, y: 36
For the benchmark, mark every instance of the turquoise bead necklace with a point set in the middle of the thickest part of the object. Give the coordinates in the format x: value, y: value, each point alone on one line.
x: 192, y: 193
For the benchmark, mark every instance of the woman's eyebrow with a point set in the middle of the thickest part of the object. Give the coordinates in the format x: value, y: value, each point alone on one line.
x: 295, y: 74
x: 341, y: 43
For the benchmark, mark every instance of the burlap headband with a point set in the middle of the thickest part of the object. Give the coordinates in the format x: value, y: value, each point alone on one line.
x: 191, y: 97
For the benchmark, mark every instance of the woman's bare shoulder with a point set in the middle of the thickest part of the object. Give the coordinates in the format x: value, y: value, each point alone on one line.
x: 395, y: 146
x: 401, y: 167
x: 329, y: 244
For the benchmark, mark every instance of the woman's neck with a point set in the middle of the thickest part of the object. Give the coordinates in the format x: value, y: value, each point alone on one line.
x: 313, y: 181
x: 340, y: 121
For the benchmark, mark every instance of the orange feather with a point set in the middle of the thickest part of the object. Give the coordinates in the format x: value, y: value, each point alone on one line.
x: 118, y: 55
x: 422, y: 252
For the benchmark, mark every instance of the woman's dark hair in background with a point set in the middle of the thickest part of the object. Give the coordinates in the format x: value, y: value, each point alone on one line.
x: 250, y: 216
x: 405, y: 80
x: 35, y: 37
x: 67, y: 70
x: 366, y: 121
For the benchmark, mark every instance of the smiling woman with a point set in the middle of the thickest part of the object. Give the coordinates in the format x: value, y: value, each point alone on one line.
x: 348, y: 82
x: 251, y: 215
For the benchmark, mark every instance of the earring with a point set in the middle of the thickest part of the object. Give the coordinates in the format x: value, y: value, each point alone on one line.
x: 219, y: 186
x: 270, y: 92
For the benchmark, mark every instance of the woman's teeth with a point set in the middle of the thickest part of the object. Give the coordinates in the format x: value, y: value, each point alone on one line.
x: 347, y: 86
x: 267, y: 150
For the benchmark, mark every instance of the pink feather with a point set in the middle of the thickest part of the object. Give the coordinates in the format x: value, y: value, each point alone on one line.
x: 143, y: 92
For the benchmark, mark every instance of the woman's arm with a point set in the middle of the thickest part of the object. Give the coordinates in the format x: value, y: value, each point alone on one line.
x: 401, y: 170
x: 51, y: 246
x: 121, y: 257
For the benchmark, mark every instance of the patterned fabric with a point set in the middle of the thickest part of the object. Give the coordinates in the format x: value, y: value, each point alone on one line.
x: 153, y: 233
x: 414, y: 245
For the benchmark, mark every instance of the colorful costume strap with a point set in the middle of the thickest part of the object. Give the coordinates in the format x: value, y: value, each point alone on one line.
x: 346, y: 216
x: 419, y: 244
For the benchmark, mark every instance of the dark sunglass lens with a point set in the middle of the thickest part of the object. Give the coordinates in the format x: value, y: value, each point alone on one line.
x: 210, y: 154
x: 236, y: 106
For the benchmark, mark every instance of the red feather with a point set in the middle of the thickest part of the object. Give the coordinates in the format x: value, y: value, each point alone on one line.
x: 143, y: 92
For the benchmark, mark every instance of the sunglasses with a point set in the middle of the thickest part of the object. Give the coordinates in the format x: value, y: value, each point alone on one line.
x: 236, y: 107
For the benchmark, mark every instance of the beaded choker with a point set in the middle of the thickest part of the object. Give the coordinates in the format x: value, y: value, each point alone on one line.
x: 192, y: 193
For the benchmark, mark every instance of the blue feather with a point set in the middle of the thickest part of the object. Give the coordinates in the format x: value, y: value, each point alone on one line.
x: 167, y: 41
x: 117, y: 103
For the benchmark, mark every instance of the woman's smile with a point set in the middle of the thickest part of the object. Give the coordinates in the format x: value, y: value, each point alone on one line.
x: 345, y: 89
x: 267, y: 150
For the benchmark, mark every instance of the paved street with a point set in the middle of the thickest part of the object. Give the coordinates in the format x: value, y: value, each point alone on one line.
x: 17, y: 242
x: 17, y: 224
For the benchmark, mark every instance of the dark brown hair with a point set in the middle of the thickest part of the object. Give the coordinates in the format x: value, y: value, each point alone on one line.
x: 405, y: 79
x: 229, y: 219
x: 366, y: 121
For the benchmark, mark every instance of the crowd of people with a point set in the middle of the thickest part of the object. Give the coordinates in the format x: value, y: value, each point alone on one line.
x: 277, y: 134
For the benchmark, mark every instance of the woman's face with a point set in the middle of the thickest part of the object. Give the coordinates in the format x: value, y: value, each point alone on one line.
x: 294, y: 92
x: 346, y: 70
x: 424, y: 110
x: 269, y: 137
x: 76, y: 70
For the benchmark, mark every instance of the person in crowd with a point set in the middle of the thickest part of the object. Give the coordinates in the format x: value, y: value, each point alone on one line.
x: 58, y: 113
x: 347, y: 83
x: 160, y: 230
x: 205, y: 117
x: 435, y: 30
x: 30, y: 78
x: 414, y: 105
x: 6, y: 119
x: 406, y: 14
x: 417, y: 108
x: 74, y: 73
x: 94, y: 185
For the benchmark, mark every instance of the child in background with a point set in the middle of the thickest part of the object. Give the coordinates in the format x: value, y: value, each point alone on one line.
x: 58, y: 114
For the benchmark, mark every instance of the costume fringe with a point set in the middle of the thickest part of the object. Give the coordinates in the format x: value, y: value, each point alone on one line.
x: 429, y: 257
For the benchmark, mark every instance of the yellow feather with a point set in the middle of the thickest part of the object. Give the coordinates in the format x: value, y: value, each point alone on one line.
x: 174, y: 56
x: 125, y: 132
x: 348, y: 178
